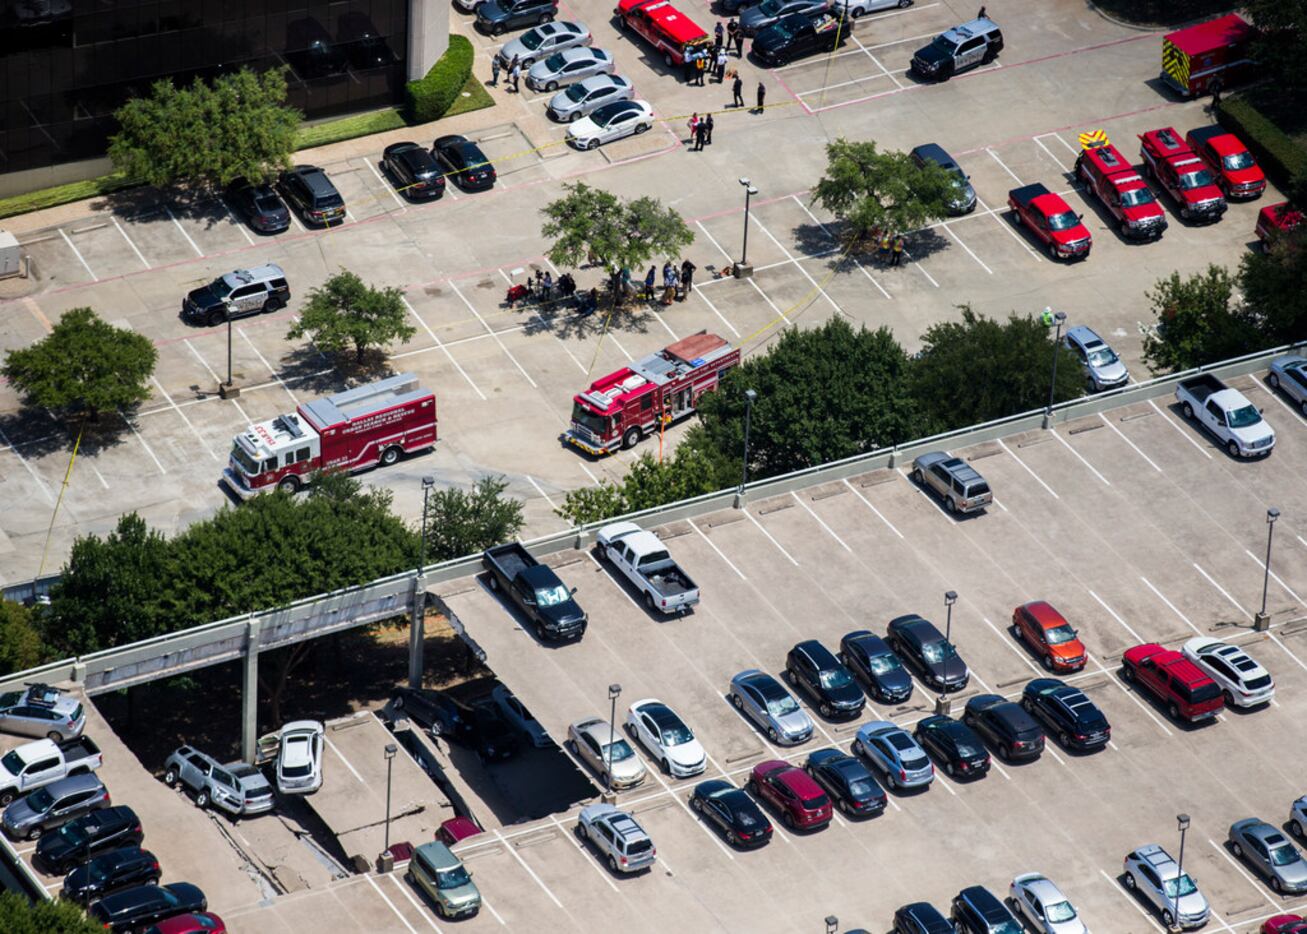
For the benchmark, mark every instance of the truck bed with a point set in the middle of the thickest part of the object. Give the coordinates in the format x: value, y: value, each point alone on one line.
x: 1026, y: 193
x: 1200, y: 387
x: 509, y: 560
x: 75, y: 750
x: 668, y: 580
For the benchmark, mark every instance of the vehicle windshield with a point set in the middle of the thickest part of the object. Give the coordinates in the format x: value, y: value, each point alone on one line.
x: 74, y: 835
x: 1177, y: 888
x: 576, y: 93
x: 861, y: 789
x: 1284, y: 855
x: 770, y: 7
x: 1198, y: 179
x: 1240, y: 160
x: 1137, y: 196
x: 297, y: 771
x: 676, y: 735
x: 1006, y: 927
x: 40, y: 800
x: 620, y: 751
x: 944, y: 45
x: 12, y: 762
x: 1059, y: 912
x: 936, y: 652
x: 782, y: 706
x: 836, y: 678
x: 1104, y: 356
x: 247, y: 463
x: 220, y: 289
x: 532, y: 39
x: 552, y: 596
x: 1064, y: 221
x: 883, y: 664
x: 555, y: 61
x: 589, y: 420
x: 1065, y: 633
x: 1243, y: 417
x: 452, y: 878
x: 967, y: 749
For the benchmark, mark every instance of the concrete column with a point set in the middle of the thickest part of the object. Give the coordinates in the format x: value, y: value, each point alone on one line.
x: 250, y: 692
x: 417, y: 611
x: 428, y: 35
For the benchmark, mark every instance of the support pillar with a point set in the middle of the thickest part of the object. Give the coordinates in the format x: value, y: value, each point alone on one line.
x: 250, y: 692
x: 417, y: 630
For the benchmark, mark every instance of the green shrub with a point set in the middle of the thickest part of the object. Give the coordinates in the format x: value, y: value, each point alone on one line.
x: 1281, y: 157
x: 1163, y: 12
x: 430, y: 97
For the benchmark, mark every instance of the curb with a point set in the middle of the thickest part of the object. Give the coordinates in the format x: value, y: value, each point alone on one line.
x: 1142, y: 27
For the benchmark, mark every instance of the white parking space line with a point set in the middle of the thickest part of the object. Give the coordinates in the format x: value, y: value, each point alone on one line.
x: 1108, y: 423
x: 275, y: 375
x: 541, y: 491
x: 1302, y: 541
x: 492, y: 333
x: 699, y: 292
x: 1056, y: 161
x: 144, y: 262
x: 1027, y: 469
x: 826, y: 231
x: 172, y: 217
x: 807, y: 275
x: 444, y: 347
x: 919, y: 267
x: 385, y: 184
x: 1275, y: 577
x: 993, y: 155
x: 340, y: 755
x: 997, y: 214
x: 239, y: 226
x: 1006, y: 640
x: 413, y: 901
x: 1243, y: 872
x: 1225, y: 593
x: 873, y: 509
x: 694, y: 818
x: 1130, y: 694
x: 809, y: 511
x: 1174, y: 609
x: 78, y: 254
x: 585, y: 855
x: 1058, y: 136
x: 1052, y: 751
x: 952, y: 233
x: 30, y: 469
x: 875, y: 61
x: 531, y: 872
x: 720, y: 554
x: 216, y: 378
x: 148, y: 449
x: 1131, y: 899
x: 750, y: 517
x: 1276, y: 397
x: 1285, y: 649
x: 1188, y: 436
x: 1111, y: 612
x: 1079, y: 456
x: 385, y: 898
x: 198, y: 436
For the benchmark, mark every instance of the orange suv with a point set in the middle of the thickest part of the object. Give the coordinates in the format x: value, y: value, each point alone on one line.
x: 1049, y: 636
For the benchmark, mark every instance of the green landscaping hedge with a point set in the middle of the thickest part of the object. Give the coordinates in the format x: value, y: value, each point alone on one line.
x: 1164, y: 12
x: 430, y: 97
x: 1281, y: 157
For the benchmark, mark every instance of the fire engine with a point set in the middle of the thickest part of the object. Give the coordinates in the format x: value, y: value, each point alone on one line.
x: 373, y: 424
x: 665, y: 27
x: 1193, y: 59
x: 621, y: 408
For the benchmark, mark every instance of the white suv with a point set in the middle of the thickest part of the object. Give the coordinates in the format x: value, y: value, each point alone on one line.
x: 299, y: 758
x: 1152, y: 873
x: 1244, y: 682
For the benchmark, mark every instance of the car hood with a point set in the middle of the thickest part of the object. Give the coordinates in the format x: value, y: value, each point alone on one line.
x: 794, y: 722
x: 78, y: 881
x: 1253, y: 433
x: 1071, y: 234
x: 1294, y: 874
x: 1112, y: 373
x: 755, y: 18
x: 461, y: 895
x: 846, y: 696
x: 951, y: 670
x: 562, y: 614
x: 931, y: 54
x: 1074, y: 926
x: 1204, y: 193
x: 20, y: 814
x: 561, y: 103
x: 1251, y: 175
x: 204, y: 297
x: 1195, y: 903
x: 1142, y: 212
x: 687, y: 754
x: 628, y: 769
x: 583, y: 128
x: 491, y: 11
x: 770, y: 38
x: 966, y: 196
x: 541, y: 70
x: 53, y: 848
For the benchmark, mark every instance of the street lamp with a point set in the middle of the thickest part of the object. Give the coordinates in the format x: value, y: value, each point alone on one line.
x: 1262, y: 621
x: 1182, y: 820
x: 614, y: 692
x: 950, y: 598
x: 749, y: 192
x: 1060, y: 319
x: 391, y: 749
x: 832, y: 924
x: 749, y: 396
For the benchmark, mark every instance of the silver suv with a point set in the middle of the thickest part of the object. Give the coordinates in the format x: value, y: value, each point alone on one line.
x: 42, y: 711
x: 237, y: 788
x: 954, y: 481
x: 617, y: 836
x: 1152, y: 873
x: 1103, y: 367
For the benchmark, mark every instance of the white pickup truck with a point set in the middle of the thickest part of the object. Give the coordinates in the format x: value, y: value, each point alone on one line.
x: 32, y: 765
x: 646, y: 563
x: 1227, y: 414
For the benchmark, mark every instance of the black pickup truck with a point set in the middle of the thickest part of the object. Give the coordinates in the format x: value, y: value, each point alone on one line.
x: 536, y: 590
x: 800, y: 34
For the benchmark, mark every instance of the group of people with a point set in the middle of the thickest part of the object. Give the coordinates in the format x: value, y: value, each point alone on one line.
x: 701, y: 61
x: 700, y: 130
x: 889, y: 247
x: 514, y: 73
x: 542, y: 287
x: 677, y: 282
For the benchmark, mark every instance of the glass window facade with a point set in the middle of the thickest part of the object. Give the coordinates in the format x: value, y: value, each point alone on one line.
x: 66, y: 65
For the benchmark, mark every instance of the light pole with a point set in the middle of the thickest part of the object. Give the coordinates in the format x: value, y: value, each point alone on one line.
x: 742, y: 268
x: 749, y: 396
x: 950, y: 598
x: 1262, y: 622
x: 614, y: 692
x: 1060, y: 319
x: 390, y: 762
x: 1182, y: 820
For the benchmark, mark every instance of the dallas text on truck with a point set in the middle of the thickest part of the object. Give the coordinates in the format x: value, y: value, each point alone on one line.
x: 622, y: 407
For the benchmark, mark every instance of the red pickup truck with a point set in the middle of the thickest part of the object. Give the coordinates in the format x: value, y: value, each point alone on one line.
x: 1050, y: 219
x: 1122, y: 191
x: 1184, y: 176
x: 1274, y: 221
x: 1237, y: 171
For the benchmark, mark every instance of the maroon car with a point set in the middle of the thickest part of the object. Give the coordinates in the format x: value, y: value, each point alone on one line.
x: 801, y: 802
x: 457, y: 828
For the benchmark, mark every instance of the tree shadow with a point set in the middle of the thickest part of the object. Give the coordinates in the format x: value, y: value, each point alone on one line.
x: 563, y: 320
x: 39, y: 433
x: 311, y: 370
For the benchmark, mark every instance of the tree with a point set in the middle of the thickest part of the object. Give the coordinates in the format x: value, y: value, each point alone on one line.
x: 822, y: 394
x: 20, y: 639
x: 1198, y: 321
x: 346, y: 313
x: 591, y: 225
x: 1281, y: 42
x: 464, y: 522
x: 238, y: 127
x: 870, y: 190
x: 84, y: 367
x: 19, y: 916
x: 691, y: 471
x: 978, y: 369
x: 1273, y: 285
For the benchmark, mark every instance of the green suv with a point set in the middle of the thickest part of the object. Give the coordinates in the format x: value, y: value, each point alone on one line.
x: 440, y: 874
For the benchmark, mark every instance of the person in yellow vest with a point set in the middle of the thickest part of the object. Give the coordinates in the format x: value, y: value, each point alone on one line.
x: 898, y: 250
x: 885, y: 246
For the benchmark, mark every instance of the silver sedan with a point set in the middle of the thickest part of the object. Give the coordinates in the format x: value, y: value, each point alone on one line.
x: 544, y: 40
x: 575, y: 102
x: 1270, y: 853
x: 1289, y: 375
x: 568, y: 66
x: 604, y: 750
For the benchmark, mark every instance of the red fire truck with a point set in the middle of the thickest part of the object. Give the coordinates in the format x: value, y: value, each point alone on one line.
x: 1194, y: 58
x: 620, y: 409
x: 373, y: 424
x: 666, y: 28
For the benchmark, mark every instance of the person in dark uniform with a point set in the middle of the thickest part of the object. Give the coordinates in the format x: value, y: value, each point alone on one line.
x: 737, y: 89
x: 687, y: 276
x: 762, y: 97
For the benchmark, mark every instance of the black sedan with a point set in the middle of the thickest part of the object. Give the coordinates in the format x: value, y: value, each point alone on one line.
x: 867, y: 656
x: 1067, y: 713
x: 732, y: 812
x: 924, y: 647
x: 851, y: 786
x: 259, y: 205
x: 1004, y: 723
x: 921, y: 918
x: 87, y: 836
x: 133, y: 909
x: 955, y: 745
x: 117, y: 869
x: 498, y: 16
x: 465, y: 163
x: 414, y: 171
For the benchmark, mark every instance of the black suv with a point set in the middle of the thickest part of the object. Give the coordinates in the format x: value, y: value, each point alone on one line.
x: 86, y: 836
x: 311, y: 193
x: 799, y: 34
x: 1005, y: 724
x: 812, y: 668
x: 921, y: 645
x: 242, y: 292
x: 977, y: 910
x: 955, y: 745
x: 133, y: 909
x: 414, y: 170
x: 868, y: 657
x: 960, y: 48
x: 1072, y: 716
x: 477, y: 724
x: 921, y: 918
x: 108, y: 872
x: 498, y: 16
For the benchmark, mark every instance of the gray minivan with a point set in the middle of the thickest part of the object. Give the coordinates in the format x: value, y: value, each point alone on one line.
x: 441, y: 875
x: 965, y: 200
x: 956, y: 482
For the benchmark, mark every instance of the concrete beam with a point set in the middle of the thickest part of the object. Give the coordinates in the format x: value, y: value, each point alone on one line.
x: 250, y: 691
x: 417, y: 630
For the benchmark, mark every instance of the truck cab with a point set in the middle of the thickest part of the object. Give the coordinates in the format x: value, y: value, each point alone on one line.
x: 1237, y: 172
x: 1227, y: 415
x: 798, y: 34
x: 1185, y: 177
x: 1051, y: 220
x: 1123, y: 191
x: 664, y: 27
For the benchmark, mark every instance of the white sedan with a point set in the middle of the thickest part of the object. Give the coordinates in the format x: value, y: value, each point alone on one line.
x: 1244, y: 682
x: 666, y: 737
x: 299, y: 758
x: 568, y: 66
x: 858, y: 8
x: 610, y: 122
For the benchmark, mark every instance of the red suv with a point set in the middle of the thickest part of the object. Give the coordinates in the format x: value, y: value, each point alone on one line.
x: 1237, y: 171
x: 1049, y: 636
x: 793, y: 792
x: 1174, y: 680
